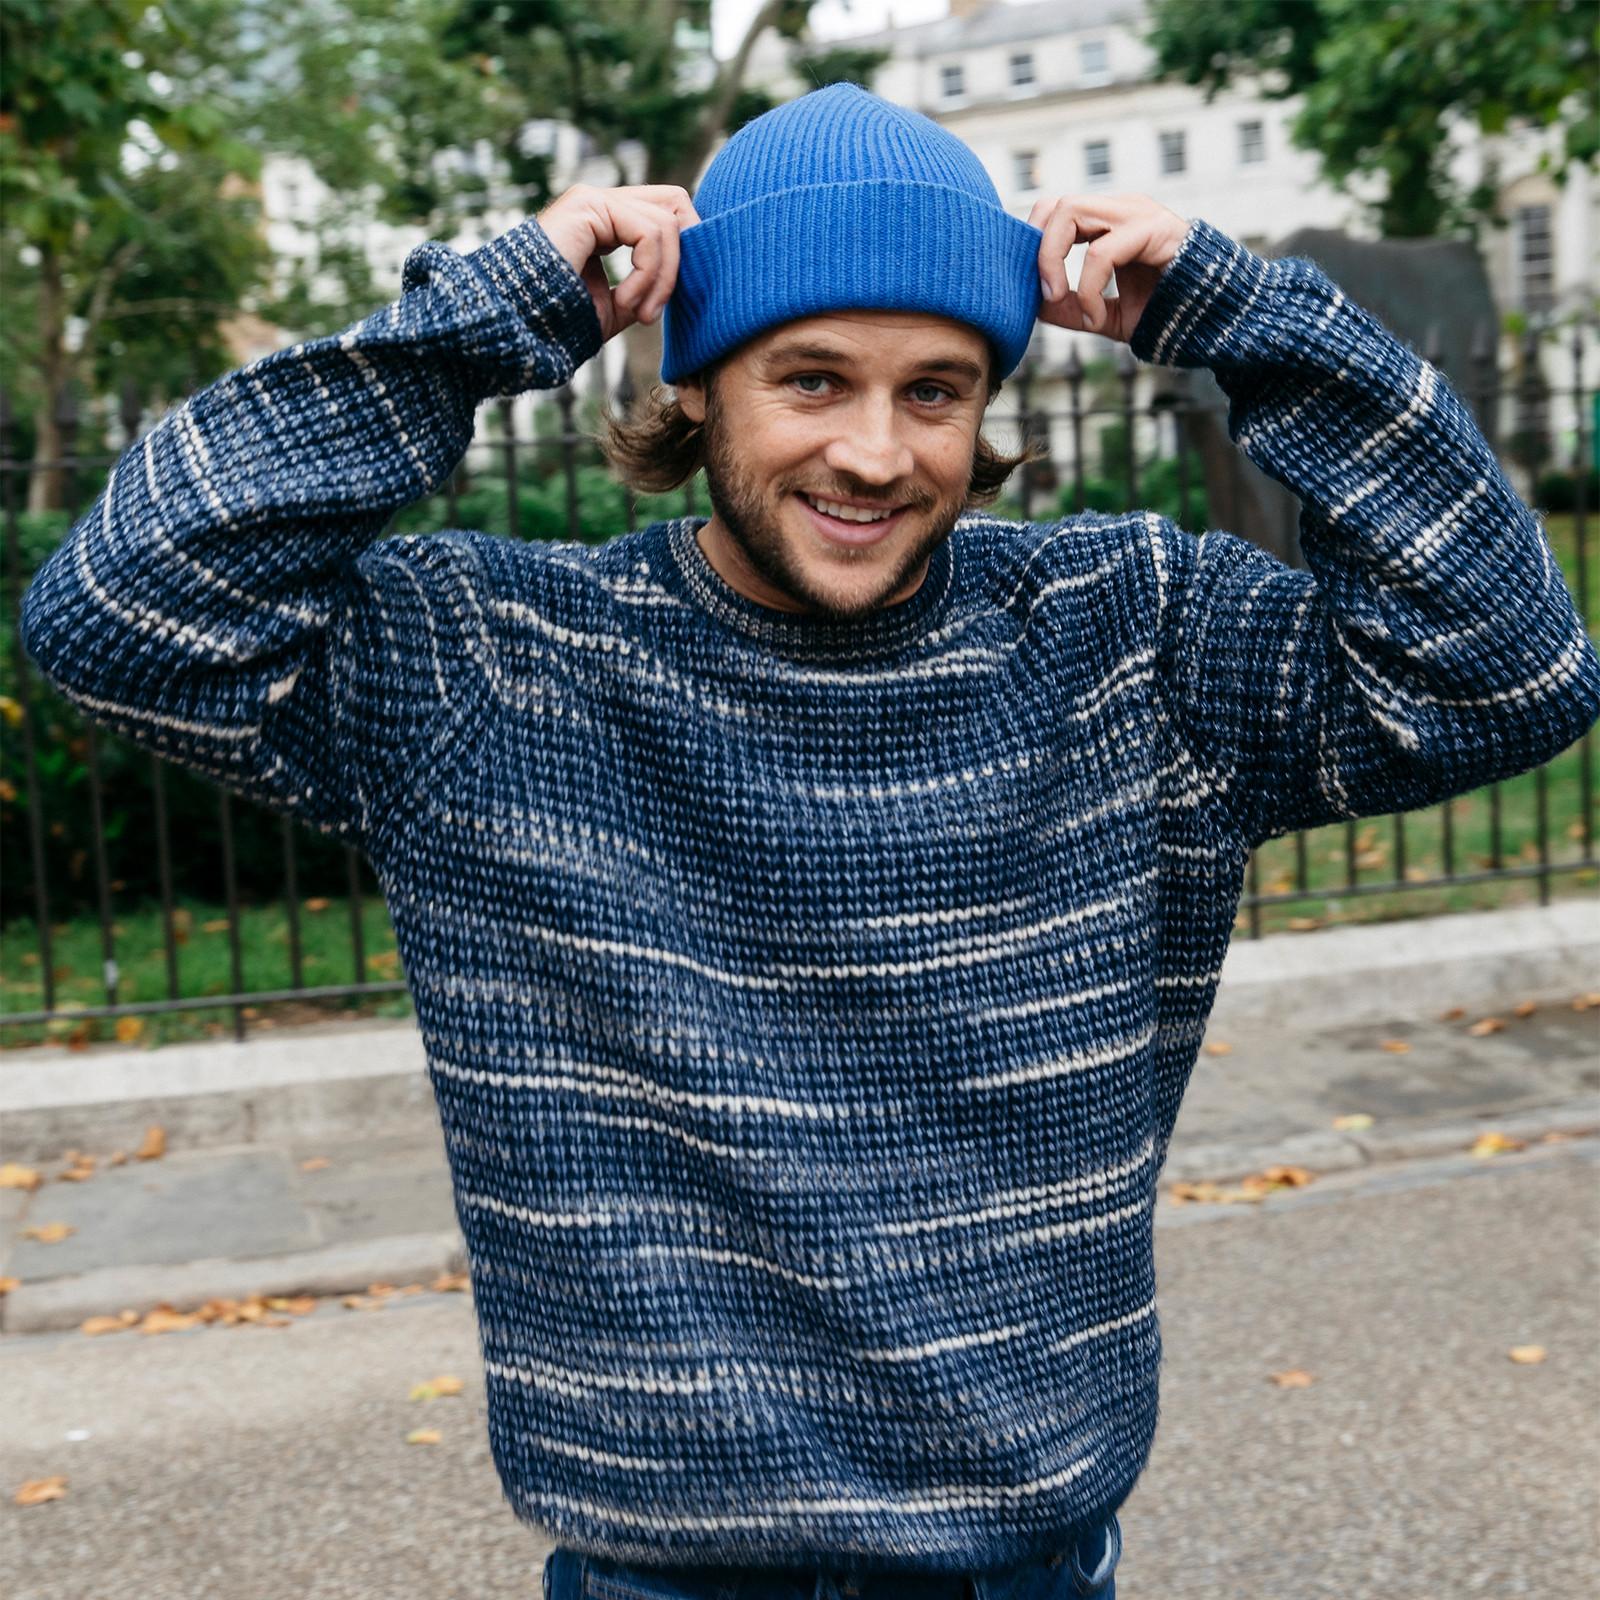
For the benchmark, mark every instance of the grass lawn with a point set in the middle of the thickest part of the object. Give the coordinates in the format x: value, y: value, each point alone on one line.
x: 203, y: 943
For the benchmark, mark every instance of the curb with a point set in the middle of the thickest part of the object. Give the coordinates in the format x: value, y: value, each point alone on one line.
x: 338, y: 1080
x: 59, y: 1303
x: 1328, y: 1150
x: 1478, y: 960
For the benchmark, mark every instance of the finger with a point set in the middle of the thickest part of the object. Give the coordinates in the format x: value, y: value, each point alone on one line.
x: 1110, y: 250
x: 641, y: 232
x: 677, y: 202
x: 1060, y: 234
x: 666, y: 277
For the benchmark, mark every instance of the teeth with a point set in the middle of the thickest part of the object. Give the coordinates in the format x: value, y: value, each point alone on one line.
x: 848, y: 513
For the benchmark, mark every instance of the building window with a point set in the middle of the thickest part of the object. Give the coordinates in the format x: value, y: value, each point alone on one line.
x: 1022, y: 70
x: 1535, y: 259
x: 1252, y: 143
x: 1094, y: 63
x: 1025, y: 169
x: 1174, y: 153
x: 952, y: 82
x: 1097, y: 160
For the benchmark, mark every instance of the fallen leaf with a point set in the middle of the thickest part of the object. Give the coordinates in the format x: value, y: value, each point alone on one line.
x: 129, y: 1029
x: 423, y: 1436
x: 15, y: 1176
x: 1275, y: 1178
x: 79, y: 1168
x: 1485, y: 1026
x: 1452, y: 1014
x: 164, y: 1319
x: 315, y: 1164
x: 8, y: 1284
x: 362, y: 1302
x: 49, y: 1232
x: 215, y: 925
x: 1491, y: 1144
x: 436, y: 1388
x: 450, y: 1282
x: 117, y: 1158
x: 98, y: 1325
x: 1353, y: 1122
x: 1525, y: 1008
x: 1303, y: 924
x: 154, y: 1144
x: 299, y: 1305
x: 1219, y: 1047
x: 1527, y: 1355
x: 1294, y: 1378
x: 318, y: 904
x: 38, y: 1490
x: 1395, y: 1047
x: 1556, y: 1136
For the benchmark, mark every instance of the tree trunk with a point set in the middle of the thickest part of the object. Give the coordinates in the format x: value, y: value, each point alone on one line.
x: 47, y: 480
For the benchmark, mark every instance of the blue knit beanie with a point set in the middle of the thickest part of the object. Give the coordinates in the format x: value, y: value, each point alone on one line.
x: 842, y: 200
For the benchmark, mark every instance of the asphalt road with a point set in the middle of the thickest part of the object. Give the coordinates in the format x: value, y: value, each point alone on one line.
x: 1421, y: 1463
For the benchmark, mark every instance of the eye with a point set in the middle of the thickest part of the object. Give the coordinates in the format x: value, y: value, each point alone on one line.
x: 809, y: 377
x: 938, y: 389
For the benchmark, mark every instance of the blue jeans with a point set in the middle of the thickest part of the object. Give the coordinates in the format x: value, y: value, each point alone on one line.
x: 1086, y: 1568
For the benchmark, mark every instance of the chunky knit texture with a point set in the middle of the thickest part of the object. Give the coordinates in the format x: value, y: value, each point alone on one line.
x: 841, y: 199
x: 808, y: 1006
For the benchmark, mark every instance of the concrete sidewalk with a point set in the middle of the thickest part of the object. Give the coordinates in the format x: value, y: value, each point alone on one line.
x: 319, y: 1165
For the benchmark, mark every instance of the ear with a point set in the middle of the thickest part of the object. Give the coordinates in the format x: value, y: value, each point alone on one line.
x: 691, y: 391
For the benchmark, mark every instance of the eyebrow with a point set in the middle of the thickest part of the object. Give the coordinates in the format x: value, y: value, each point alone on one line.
x: 781, y: 354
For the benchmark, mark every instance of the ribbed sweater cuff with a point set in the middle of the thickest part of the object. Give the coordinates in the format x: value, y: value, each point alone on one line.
x: 1194, y: 314
x: 524, y: 267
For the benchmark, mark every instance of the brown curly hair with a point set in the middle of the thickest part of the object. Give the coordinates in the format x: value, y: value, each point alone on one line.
x: 657, y: 448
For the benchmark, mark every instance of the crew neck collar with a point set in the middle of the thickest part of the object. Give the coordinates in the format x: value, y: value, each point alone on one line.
x: 887, y: 628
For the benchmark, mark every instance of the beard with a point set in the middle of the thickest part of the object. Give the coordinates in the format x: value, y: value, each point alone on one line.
x: 751, y: 510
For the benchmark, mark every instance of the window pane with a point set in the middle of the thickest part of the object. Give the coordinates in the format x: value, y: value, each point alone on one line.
x: 952, y: 81
x: 1092, y: 58
x: 1174, y: 152
x: 1024, y: 169
x: 1535, y: 258
x: 1097, y: 158
x: 1021, y: 70
x: 1252, y: 142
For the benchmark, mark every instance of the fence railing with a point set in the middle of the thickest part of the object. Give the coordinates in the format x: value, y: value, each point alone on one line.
x: 114, y: 824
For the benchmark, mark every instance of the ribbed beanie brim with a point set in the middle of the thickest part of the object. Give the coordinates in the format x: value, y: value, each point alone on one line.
x: 842, y: 200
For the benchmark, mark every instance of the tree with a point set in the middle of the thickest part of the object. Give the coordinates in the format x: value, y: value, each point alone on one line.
x: 132, y: 135
x: 82, y: 83
x: 1384, y: 83
x: 637, y: 75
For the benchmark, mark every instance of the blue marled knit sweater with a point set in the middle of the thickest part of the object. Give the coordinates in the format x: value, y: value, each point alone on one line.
x: 809, y: 1006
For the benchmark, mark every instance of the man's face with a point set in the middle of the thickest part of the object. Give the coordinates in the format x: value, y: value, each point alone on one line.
x: 874, y: 410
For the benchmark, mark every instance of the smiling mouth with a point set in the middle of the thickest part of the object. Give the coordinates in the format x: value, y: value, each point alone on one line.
x: 845, y: 513
x: 853, y: 526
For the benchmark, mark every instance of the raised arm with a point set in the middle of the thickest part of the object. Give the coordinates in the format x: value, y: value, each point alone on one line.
x: 223, y: 602
x: 1431, y: 647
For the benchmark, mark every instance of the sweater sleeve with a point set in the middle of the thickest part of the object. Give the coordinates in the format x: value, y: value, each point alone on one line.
x: 1431, y: 646
x: 226, y: 601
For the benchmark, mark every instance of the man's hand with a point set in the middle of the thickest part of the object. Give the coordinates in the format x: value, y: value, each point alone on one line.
x: 586, y: 223
x: 1129, y: 232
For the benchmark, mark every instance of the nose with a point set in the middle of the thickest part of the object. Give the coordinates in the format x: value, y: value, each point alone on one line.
x: 870, y: 447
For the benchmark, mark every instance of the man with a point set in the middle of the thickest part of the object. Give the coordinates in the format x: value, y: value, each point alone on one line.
x: 812, y: 921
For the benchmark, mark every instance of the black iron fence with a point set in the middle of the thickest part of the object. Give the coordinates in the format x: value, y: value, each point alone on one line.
x: 88, y: 824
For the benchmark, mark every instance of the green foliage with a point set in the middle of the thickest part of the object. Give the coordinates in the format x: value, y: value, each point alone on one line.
x: 1384, y: 83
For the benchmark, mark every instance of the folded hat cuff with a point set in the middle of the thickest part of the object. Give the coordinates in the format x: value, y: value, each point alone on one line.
x: 878, y: 244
